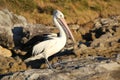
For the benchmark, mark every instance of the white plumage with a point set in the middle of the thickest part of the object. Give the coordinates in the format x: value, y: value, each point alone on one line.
x: 53, y: 45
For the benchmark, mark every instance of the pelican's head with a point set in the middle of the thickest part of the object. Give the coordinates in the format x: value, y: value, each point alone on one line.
x: 58, y: 15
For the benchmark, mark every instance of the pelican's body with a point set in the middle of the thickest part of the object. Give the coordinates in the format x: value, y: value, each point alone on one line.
x: 54, y: 43
x: 49, y: 47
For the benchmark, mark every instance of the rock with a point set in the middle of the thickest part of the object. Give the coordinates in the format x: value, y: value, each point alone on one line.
x: 105, y: 21
x: 110, y: 66
x: 5, y: 52
x: 82, y: 46
x: 93, y: 36
x: 15, y: 31
x: 82, y: 31
x: 6, y: 37
x: 96, y: 43
x: 20, y: 52
x: 75, y: 27
x: 97, y: 24
x: 106, y: 36
x: 9, y: 64
x: 84, y: 69
x: 104, y: 39
x: 9, y: 23
x: 7, y: 18
x: 118, y: 58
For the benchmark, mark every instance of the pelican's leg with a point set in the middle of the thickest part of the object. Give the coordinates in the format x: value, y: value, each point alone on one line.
x: 49, y: 65
x: 47, y: 62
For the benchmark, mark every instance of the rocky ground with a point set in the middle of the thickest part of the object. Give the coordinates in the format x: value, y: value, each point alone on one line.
x: 92, y: 68
x: 95, y: 56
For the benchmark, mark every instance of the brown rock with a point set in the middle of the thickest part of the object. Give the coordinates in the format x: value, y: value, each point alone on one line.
x: 5, y: 52
x: 9, y: 64
x: 83, y: 47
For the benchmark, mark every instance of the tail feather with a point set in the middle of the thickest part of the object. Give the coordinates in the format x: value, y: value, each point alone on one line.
x: 34, y: 58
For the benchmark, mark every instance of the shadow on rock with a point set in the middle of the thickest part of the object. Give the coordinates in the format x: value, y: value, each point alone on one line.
x: 36, y: 64
x: 18, y: 34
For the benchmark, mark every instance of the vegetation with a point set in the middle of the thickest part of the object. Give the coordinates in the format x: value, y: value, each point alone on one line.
x: 76, y: 11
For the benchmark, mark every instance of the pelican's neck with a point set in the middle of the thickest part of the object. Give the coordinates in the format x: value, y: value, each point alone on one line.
x: 62, y: 32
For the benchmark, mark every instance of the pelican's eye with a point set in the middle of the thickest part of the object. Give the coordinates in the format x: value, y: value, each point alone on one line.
x: 60, y: 16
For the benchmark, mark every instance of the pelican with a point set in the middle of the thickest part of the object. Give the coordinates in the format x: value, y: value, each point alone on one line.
x: 54, y: 43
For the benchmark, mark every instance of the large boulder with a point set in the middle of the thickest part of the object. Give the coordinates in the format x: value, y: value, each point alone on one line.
x: 10, y: 24
x: 15, y: 31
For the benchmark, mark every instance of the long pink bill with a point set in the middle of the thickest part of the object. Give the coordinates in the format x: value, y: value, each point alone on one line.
x: 67, y: 30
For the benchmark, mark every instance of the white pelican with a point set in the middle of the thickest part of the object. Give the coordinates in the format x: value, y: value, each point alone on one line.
x: 54, y: 43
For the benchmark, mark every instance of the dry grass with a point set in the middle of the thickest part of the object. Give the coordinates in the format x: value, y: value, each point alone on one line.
x: 76, y: 11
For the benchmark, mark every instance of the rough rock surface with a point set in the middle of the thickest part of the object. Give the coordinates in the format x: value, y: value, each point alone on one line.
x: 84, y: 69
x: 100, y: 38
x: 5, y: 52
x: 16, y: 31
x: 8, y: 25
x: 9, y: 64
x: 7, y: 18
